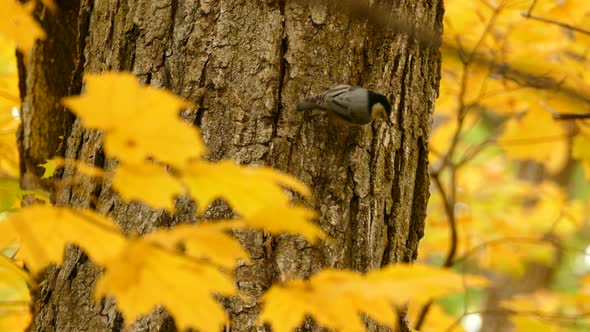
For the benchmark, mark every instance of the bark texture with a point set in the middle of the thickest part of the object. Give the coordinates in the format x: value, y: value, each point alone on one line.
x: 245, y: 63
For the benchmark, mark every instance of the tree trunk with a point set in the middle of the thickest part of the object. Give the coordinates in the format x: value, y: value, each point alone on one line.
x: 244, y: 63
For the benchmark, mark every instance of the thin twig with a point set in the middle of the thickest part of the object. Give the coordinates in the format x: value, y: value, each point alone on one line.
x: 572, y: 116
x: 449, y: 199
x: 473, y: 151
x: 530, y: 10
x: 565, y: 116
x: 10, y: 97
x: 462, y: 108
x: 448, y: 205
x: 554, y: 22
x: 536, y: 140
x: 470, y: 252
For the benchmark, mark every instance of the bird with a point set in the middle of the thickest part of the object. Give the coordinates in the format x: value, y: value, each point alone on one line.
x: 349, y: 105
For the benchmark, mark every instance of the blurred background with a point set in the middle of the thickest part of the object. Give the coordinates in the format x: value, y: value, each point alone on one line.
x: 509, y: 165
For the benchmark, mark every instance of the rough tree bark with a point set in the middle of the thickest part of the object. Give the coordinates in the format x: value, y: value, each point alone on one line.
x: 244, y: 63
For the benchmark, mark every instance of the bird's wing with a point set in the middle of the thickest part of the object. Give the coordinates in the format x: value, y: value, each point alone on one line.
x: 322, y: 100
x: 335, y: 99
x: 339, y: 100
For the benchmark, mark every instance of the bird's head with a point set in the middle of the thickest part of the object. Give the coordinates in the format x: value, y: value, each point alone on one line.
x: 380, y: 106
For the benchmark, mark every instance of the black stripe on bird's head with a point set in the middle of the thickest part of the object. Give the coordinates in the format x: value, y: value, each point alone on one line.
x: 379, y: 106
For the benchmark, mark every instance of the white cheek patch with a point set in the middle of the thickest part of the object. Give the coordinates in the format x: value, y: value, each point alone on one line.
x: 378, y: 112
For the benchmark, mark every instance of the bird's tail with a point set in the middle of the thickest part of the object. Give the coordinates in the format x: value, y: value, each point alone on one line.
x: 306, y: 105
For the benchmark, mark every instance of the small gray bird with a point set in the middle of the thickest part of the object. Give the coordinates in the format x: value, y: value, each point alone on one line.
x: 349, y: 105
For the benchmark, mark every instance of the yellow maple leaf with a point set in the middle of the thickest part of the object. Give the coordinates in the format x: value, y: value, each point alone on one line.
x: 10, y: 267
x: 144, y: 276
x: 17, y: 25
x: 15, y: 317
x: 15, y: 313
x: 335, y: 298
x: 288, y: 219
x: 204, y: 241
x: 541, y: 301
x: 138, y: 121
x: 552, y: 209
x: 50, y: 5
x: 10, y: 194
x: 513, y: 257
x: 331, y: 306
x: 80, y: 166
x: 248, y: 190
x: 537, y: 136
x: 149, y: 183
x: 526, y: 323
x: 50, y: 166
x: 436, y: 320
x: 44, y: 231
x: 528, y: 308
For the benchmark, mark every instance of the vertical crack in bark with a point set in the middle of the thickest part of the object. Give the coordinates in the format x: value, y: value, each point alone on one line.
x: 282, y: 71
x: 173, y: 13
x: 392, y: 230
x: 350, y: 241
x: 201, y: 102
x: 406, y: 78
x: 419, y: 201
x: 51, y: 69
x: 440, y: 12
x: 388, y: 253
x: 75, y: 86
x: 127, y: 50
x: 22, y: 89
x: 22, y: 74
x: 99, y: 161
x: 282, y: 66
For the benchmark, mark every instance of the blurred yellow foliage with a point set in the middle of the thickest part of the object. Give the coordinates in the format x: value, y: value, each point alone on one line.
x: 337, y: 298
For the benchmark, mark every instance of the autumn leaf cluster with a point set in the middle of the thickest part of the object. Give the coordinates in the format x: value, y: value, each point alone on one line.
x: 137, y: 125
x: 135, y: 266
x: 514, y: 93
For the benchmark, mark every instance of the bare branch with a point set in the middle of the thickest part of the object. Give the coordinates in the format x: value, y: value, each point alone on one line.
x: 554, y: 22
x: 565, y: 116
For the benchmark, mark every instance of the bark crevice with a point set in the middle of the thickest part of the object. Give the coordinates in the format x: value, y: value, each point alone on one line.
x: 419, y: 200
